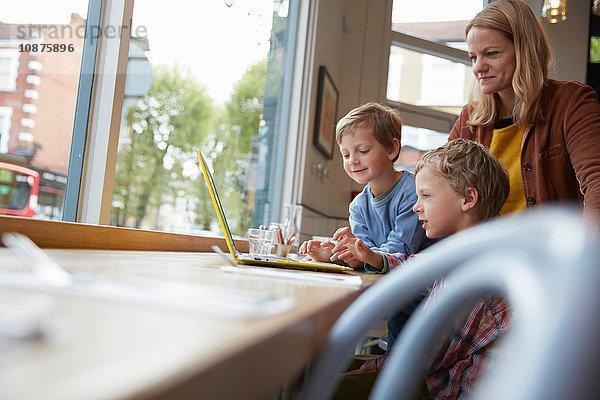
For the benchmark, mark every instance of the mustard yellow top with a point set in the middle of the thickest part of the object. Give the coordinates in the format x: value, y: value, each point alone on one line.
x: 506, y: 146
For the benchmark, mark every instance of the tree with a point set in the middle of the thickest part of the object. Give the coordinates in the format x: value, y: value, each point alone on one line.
x: 240, y: 122
x: 165, y: 128
x: 159, y: 164
x: 228, y: 150
x: 595, y: 49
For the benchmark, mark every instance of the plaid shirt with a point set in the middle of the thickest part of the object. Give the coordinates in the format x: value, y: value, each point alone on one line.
x: 464, y: 354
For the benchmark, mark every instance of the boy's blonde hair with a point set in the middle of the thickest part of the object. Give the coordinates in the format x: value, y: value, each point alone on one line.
x: 517, y: 22
x: 384, y: 122
x: 465, y: 164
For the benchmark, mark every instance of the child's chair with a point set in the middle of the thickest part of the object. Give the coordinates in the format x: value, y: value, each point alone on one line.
x: 546, y: 263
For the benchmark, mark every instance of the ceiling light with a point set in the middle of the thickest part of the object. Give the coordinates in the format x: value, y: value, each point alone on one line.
x: 554, y: 11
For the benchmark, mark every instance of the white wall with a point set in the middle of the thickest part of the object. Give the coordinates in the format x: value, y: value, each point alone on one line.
x: 568, y: 39
x: 318, y: 190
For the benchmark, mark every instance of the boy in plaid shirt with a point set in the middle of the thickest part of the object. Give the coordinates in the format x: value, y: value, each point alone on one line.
x: 458, y: 185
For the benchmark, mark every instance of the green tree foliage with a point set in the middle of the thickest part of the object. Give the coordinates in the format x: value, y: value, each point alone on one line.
x: 230, y: 146
x: 165, y: 128
x: 595, y: 49
x: 158, y: 165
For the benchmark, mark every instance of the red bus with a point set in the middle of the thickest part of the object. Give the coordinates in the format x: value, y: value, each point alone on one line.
x: 19, y: 187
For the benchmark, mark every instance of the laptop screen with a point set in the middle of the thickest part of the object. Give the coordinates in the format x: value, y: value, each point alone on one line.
x: 217, y: 203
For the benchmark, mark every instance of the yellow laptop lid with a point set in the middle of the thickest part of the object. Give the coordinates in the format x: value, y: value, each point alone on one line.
x: 240, y: 258
x: 212, y: 188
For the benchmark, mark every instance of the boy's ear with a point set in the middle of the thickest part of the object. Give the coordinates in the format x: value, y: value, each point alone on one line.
x: 394, y: 150
x: 471, y: 199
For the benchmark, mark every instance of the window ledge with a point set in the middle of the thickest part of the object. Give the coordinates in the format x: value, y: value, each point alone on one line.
x: 71, y: 235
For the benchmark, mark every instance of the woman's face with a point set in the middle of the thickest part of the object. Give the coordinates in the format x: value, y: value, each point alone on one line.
x: 493, y: 57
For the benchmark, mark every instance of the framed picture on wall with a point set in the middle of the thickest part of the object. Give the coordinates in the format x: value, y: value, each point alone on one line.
x: 326, y: 116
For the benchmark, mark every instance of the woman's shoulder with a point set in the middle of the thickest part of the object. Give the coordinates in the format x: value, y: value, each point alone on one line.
x: 566, y: 88
x: 566, y: 97
x: 466, y: 111
x: 461, y: 128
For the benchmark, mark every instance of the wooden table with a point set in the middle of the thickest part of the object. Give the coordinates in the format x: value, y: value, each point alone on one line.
x: 103, y: 349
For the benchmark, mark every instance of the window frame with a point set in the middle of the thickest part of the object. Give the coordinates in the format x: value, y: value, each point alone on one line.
x: 283, y: 181
x: 82, y: 109
x: 288, y: 145
x: 414, y: 115
x: 98, y: 115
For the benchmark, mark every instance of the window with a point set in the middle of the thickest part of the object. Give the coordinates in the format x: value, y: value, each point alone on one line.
x: 415, y: 141
x: 207, y: 75
x: 429, y: 74
x: 34, y: 132
x: 5, y: 115
x: 9, y: 61
x: 426, y: 80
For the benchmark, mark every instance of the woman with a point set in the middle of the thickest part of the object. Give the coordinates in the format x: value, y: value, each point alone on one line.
x: 546, y: 132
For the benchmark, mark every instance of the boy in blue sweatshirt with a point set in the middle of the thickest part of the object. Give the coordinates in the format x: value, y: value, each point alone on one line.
x: 381, y: 215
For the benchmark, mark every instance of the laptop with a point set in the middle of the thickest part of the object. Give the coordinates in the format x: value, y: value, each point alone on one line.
x: 244, y: 258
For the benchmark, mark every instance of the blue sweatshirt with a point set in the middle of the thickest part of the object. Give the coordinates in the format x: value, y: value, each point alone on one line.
x: 388, y: 223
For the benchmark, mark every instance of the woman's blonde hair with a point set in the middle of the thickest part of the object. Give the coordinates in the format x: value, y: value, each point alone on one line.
x: 466, y: 164
x: 516, y: 20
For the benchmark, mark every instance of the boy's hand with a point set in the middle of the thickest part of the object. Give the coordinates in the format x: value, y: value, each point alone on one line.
x: 345, y: 251
x: 342, y: 233
x: 316, y: 250
x: 354, y: 252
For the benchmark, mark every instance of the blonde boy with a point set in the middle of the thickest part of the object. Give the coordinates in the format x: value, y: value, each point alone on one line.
x: 381, y: 215
x: 458, y: 185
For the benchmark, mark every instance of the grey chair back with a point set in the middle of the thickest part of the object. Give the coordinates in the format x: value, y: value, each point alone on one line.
x: 546, y: 263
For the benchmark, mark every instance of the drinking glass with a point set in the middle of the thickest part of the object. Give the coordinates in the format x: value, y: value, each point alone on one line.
x: 260, y: 241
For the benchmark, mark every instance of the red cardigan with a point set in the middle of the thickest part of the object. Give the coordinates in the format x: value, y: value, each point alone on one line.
x: 560, y: 157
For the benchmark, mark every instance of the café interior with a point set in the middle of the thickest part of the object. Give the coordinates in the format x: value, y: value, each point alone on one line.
x: 113, y: 288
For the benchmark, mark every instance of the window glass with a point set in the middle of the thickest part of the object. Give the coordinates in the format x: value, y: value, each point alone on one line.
x: 418, y: 78
x: 207, y: 75
x: 9, y: 63
x: 415, y: 143
x: 425, y: 80
x: 41, y: 45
